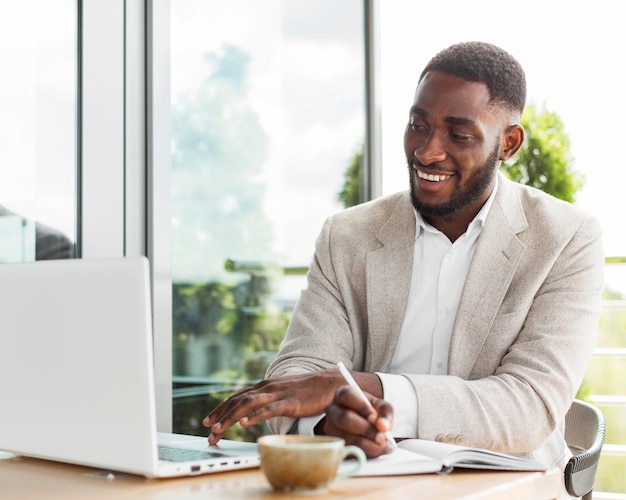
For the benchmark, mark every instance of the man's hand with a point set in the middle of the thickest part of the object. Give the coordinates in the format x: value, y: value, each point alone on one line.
x: 352, y: 419
x: 294, y: 396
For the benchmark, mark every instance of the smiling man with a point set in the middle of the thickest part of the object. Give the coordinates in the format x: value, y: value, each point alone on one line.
x: 467, y: 307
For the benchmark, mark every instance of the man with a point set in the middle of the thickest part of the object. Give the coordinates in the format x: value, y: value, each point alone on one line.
x: 470, y: 303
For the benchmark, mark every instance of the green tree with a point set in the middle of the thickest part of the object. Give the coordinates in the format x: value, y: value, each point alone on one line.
x: 545, y: 161
x: 352, y: 191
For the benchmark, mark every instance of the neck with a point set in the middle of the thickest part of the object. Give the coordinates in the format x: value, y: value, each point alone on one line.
x: 455, y: 225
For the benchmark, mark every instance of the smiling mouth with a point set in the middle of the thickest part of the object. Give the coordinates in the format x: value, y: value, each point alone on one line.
x: 431, y: 177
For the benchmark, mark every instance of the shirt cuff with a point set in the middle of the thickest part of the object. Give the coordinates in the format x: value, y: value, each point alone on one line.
x: 399, y: 391
x: 306, y: 425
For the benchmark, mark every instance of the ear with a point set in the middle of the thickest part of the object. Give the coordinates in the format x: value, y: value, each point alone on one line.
x: 512, y: 141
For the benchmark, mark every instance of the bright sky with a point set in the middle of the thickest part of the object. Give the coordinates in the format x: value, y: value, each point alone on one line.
x: 301, y: 83
x: 37, y: 99
x: 572, y: 52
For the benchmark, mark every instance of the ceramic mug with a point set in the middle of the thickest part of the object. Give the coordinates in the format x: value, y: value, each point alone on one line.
x: 297, y: 463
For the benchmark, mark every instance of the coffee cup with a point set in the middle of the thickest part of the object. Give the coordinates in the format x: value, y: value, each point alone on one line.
x: 298, y: 463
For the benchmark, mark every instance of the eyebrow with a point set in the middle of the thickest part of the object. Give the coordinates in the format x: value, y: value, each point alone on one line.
x: 455, y: 120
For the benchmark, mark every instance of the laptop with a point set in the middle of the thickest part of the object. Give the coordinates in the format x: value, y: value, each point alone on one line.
x: 77, y: 376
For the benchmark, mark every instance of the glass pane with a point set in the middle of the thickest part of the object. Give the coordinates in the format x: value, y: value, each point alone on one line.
x: 267, y: 118
x: 612, y: 480
x: 616, y: 432
x: 37, y: 130
x: 615, y: 278
x: 605, y: 375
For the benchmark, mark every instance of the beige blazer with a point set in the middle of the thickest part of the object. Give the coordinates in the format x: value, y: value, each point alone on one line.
x: 524, y: 331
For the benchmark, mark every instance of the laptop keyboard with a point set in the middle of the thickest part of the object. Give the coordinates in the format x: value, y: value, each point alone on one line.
x: 181, y: 455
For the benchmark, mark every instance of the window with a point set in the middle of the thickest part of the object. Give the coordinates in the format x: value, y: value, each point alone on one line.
x: 268, y: 113
x: 38, y: 130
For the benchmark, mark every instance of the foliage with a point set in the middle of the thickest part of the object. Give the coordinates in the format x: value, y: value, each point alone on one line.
x: 200, y: 307
x: 352, y: 191
x: 219, y: 337
x: 545, y: 161
x: 216, y: 331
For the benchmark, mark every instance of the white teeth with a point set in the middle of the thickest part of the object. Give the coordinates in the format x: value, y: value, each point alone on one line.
x: 431, y: 177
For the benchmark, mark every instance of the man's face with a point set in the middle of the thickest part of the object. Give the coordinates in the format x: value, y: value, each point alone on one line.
x: 452, y: 145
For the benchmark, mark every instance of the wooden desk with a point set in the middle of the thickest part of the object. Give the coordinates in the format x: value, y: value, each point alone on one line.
x: 29, y: 479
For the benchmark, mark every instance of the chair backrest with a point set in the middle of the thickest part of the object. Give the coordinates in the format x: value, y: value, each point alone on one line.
x: 585, y: 429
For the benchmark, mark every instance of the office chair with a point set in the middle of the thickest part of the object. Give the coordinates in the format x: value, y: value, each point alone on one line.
x: 585, y: 429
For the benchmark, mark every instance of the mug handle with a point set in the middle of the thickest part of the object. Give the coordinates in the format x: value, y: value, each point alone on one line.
x: 356, y: 452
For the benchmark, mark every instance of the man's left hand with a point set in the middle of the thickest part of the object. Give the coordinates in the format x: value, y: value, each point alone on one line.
x: 359, y: 423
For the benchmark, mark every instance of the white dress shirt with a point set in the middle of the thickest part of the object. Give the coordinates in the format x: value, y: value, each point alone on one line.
x: 438, y: 276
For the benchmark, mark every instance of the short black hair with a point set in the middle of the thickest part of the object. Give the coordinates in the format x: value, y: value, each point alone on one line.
x: 485, y: 63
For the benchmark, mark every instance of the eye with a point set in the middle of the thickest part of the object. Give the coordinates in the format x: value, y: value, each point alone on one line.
x: 460, y: 137
x: 415, y: 125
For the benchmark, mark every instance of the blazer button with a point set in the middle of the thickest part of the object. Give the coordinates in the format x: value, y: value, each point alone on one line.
x: 451, y: 438
x: 440, y: 438
x: 460, y: 440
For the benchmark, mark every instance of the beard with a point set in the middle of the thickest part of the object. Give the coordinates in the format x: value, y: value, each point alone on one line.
x: 466, y: 194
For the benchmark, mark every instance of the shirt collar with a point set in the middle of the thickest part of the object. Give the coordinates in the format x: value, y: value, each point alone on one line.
x: 477, y: 222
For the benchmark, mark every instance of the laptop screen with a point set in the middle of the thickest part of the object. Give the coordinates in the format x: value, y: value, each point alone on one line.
x: 76, y: 364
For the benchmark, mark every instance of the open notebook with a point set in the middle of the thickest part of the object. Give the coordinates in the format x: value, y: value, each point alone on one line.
x: 76, y: 372
x: 419, y: 456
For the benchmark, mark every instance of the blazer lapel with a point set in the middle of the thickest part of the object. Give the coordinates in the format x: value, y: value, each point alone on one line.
x: 495, y: 261
x: 388, y: 276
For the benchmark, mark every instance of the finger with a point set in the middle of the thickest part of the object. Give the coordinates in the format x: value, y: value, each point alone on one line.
x: 265, y: 412
x: 346, y: 421
x: 371, y: 449
x: 225, y: 406
x: 239, y: 409
x: 349, y: 398
x: 378, y: 413
x: 212, y: 417
x: 214, y: 438
x: 218, y: 413
x: 354, y: 430
x: 384, y: 410
x: 252, y: 417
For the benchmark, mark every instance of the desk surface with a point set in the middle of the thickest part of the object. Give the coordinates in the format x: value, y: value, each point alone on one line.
x: 28, y: 478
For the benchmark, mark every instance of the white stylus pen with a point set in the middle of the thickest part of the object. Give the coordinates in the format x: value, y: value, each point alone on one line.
x: 352, y: 383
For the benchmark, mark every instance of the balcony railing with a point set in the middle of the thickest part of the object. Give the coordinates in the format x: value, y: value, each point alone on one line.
x: 605, y: 377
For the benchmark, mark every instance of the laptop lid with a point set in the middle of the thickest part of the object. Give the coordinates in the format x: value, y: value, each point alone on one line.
x: 76, y: 365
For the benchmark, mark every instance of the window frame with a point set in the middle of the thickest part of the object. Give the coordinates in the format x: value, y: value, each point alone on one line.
x: 124, y: 148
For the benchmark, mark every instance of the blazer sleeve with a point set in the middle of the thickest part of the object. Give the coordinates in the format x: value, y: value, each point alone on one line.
x: 357, y: 284
x: 326, y: 325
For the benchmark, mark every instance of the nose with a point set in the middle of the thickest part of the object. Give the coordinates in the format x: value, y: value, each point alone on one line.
x: 430, y: 151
